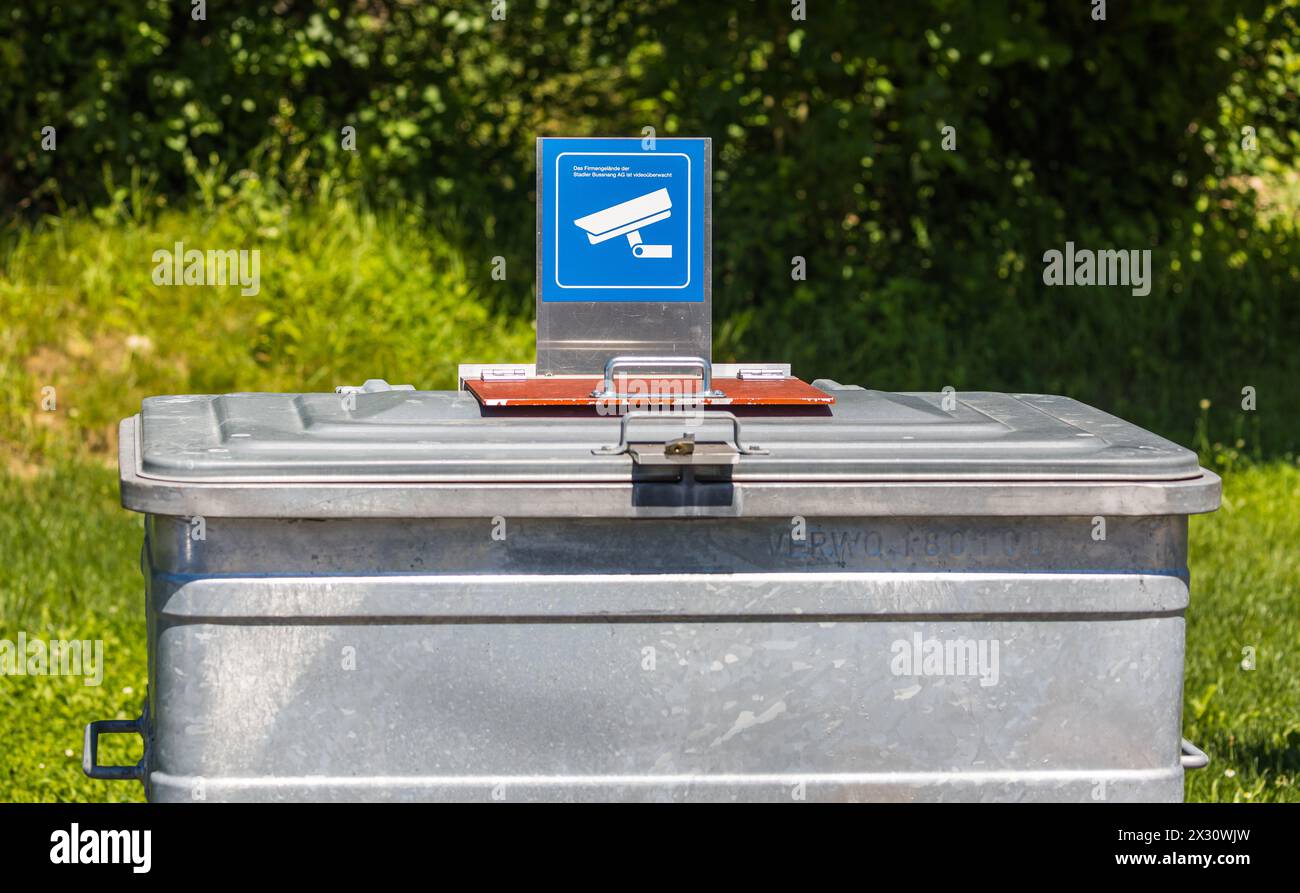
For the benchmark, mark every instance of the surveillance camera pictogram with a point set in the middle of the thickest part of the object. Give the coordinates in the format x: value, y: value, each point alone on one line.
x: 628, y: 218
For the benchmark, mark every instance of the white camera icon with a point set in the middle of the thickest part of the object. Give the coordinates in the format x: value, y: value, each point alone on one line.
x: 627, y: 218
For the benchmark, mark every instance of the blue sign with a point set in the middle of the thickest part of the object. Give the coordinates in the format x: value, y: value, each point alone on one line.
x: 622, y: 223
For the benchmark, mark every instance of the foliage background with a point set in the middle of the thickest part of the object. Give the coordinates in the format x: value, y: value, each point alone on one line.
x: 924, y: 265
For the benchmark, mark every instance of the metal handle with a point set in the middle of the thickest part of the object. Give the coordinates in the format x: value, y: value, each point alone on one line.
x: 623, y: 443
x: 1193, y: 757
x: 606, y: 390
x: 90, y: 748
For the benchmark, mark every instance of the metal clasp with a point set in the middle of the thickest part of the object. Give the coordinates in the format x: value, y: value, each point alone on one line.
x: 372, y: 386
x: 736, y: 443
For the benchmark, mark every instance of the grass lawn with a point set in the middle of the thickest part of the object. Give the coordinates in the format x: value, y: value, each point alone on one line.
x: 1245, y: 563
x: 69, y: 570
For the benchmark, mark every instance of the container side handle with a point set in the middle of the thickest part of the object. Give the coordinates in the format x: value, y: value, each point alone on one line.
x: 1193, y: 756
x: 90, y: 748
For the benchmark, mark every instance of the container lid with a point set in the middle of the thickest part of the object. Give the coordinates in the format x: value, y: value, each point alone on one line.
x: 392, y: 436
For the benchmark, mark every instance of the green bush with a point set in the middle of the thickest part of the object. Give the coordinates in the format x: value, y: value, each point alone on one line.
x: 924, y: 265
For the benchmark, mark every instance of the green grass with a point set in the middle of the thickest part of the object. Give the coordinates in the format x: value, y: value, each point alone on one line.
x: 70, y: 570
x: 1246, y: 594
x: 346, y: 294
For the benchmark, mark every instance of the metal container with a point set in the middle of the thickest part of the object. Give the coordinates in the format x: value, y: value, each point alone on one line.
x: 399, y: 595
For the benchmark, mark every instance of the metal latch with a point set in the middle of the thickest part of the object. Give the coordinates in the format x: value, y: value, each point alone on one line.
x: 682, y: 446
x: 683, y: 450
x: 373, y: 386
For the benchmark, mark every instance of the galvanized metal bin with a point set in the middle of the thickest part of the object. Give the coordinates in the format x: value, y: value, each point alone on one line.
x: 403, y: 596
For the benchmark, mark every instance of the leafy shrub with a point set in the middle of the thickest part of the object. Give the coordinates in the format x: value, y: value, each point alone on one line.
x: 924, y: 265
